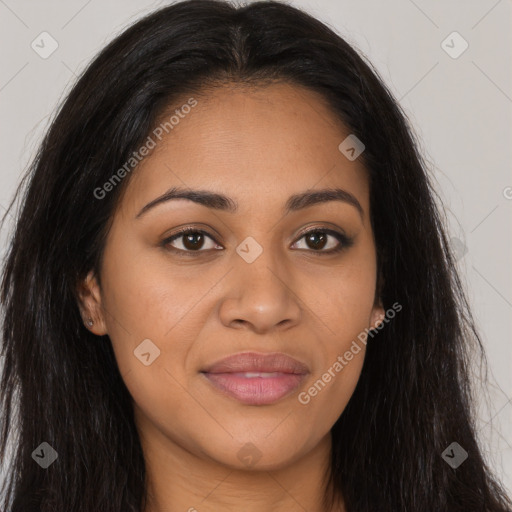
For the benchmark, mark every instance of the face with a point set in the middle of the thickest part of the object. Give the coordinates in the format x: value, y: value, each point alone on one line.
x: 265, y: 270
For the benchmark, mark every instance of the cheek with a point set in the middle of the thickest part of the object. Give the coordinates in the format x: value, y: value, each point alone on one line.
x: 148, y: 300
x: 143, y: 301
x: 345, y: 304
x: 146, y: 296
x: 151, y: 318
x: 345, y: 299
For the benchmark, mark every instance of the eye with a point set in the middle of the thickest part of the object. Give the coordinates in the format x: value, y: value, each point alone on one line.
x: 190, y: 240
x: 318, y: 239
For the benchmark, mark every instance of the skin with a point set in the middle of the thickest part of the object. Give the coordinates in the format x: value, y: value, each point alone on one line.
x: 257, y: 146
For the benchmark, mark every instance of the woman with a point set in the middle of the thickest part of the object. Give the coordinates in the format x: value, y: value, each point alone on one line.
x: 230, y: 286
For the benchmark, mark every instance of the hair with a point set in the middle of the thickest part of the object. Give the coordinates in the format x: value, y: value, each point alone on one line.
x: 61, y: 384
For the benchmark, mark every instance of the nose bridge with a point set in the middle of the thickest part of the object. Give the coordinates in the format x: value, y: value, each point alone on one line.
x: 260, y: 293
x: 264, y: 277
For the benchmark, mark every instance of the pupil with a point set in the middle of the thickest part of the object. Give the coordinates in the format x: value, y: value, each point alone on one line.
x: 191, y: 243
x: 318, y: 240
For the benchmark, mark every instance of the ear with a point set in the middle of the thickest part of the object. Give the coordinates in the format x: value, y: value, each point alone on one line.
x: 378, y: 315
x: 89, y: 297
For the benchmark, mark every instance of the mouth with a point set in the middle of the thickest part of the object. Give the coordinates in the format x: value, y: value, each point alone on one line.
x: 256, y: 379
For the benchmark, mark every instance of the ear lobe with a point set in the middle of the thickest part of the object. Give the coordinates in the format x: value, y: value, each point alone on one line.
x: 90, y: 304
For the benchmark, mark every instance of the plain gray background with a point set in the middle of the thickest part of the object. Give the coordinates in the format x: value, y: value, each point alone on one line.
x: 460, y: 109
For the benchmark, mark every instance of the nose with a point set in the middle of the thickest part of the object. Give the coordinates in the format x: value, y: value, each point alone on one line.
x: 260, y: 297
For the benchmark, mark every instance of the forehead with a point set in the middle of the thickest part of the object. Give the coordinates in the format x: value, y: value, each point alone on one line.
x: 271, y: 141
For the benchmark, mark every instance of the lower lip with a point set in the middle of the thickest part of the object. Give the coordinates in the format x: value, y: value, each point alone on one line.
x: 255, y: 390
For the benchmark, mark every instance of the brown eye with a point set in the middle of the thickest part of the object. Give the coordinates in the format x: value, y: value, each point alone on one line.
x: 324, y: 241
x: 190, y: 240
x: 316, y: 240
x: 193, y: 241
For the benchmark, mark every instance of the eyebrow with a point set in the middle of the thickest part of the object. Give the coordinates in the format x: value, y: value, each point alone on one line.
x: 223, y: 203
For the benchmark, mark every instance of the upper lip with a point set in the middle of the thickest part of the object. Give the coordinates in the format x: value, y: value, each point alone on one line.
x: 257, y: 362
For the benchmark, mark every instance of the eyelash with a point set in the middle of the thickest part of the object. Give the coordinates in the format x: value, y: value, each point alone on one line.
x: 344, y: 241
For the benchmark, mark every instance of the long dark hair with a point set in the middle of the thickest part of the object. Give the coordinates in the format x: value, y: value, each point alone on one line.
x: 61, y: 383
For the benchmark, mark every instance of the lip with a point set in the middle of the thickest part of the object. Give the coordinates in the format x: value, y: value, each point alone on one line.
x: 240, y: 376
x: 257, y: 362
